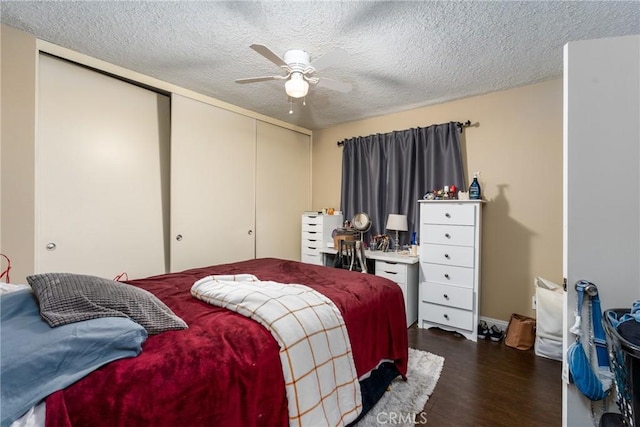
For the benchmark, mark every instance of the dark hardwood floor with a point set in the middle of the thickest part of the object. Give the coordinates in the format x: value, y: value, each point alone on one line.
x: 489, y: 384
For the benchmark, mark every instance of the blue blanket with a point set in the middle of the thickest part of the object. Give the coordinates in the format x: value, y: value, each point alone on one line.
x: 36, y: 359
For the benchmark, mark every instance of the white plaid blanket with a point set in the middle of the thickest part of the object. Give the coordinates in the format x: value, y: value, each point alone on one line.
x: 320, y: 377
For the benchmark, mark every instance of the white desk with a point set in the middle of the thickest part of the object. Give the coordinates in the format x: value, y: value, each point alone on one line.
x: 401, y: 258
x: 398, y: 267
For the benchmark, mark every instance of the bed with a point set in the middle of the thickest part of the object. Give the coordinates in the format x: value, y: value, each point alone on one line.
x: 225, y: 368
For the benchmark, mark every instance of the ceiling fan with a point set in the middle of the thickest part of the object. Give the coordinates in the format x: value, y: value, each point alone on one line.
x: 300, y: 71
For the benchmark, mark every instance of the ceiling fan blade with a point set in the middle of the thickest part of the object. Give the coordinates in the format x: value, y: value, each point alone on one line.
x: 334, y: 85
x: 333, y: 57
x: 268, y: 53
x: 259, y: 79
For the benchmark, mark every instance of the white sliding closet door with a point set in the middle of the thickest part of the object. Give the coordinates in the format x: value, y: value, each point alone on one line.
x: 212, y: 185
x: 101, y: 173
x: 283, y: 190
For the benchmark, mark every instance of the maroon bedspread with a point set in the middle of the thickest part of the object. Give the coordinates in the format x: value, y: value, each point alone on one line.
x: 225, y: 369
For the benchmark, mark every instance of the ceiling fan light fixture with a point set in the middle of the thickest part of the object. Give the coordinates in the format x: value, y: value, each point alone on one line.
x: 296, y: 86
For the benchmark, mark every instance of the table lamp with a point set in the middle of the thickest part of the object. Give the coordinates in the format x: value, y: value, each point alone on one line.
x: 397, y: 223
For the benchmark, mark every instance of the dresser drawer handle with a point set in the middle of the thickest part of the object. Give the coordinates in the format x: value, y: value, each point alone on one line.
x: 391, y: 272
x: 445, y: 296
x: 447, y: 256
x: 447, y: 235
x: 446, y: 316
x: 446, y: 275
x: 448, y: 215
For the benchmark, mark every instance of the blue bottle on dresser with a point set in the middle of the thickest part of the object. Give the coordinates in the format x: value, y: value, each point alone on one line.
x: 475, y: 192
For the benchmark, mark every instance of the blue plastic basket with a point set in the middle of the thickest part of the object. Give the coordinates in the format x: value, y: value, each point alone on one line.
x: 625, y: 364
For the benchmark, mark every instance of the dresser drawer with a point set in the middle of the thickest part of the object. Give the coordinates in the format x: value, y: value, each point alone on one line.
x: 458, y: 235
x: 447, y: 213
x: 311, y: 248
x: 461, y: 256
x: 392, y: 270
x: 453, y: 296
x: 313, y: 228
x: 312, y: 258
x: 447, y: 274
x: 312, y: 219
x: 446, y: 316
x: 312, y: 236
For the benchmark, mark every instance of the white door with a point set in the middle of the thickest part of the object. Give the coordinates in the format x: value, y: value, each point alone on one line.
x: 101, y: 150
x: 212, y: 185
x: 601, y: 183
x: 283, y: 190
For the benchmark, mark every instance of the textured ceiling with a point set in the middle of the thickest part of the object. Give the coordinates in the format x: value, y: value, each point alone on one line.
x: 401, y: 54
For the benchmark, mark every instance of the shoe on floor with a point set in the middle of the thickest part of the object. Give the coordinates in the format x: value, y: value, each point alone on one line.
x: 495, y: 333
x: 483, y: 330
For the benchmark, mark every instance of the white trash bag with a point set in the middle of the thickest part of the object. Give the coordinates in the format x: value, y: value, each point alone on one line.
x: 549, y: 305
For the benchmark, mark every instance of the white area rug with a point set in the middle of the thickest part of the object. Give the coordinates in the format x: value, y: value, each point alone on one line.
x: 402, y: 404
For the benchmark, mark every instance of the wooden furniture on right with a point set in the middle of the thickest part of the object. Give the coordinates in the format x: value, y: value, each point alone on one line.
x: 450, y: 265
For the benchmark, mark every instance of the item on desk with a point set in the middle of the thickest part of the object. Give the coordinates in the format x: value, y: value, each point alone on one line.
x: 330, y: 211
x: 414, y: 250
x: 380, y: 243
x: 463, y: 195
x: 453, y: 192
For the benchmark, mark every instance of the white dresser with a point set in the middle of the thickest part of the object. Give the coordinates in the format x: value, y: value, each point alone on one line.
x: 403, y: 270
x: 316, y: 234
x: 450, y: 265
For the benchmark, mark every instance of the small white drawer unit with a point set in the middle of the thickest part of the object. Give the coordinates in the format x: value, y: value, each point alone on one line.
x: 406, y: 276
x: 316, y: 234
x: 449, y: 294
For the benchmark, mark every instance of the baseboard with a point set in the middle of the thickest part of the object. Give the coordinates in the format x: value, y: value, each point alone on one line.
x: 499, y: 323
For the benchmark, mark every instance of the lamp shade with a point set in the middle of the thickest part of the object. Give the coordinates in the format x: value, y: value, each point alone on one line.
x: 397, y: 222
x: 296, y: 86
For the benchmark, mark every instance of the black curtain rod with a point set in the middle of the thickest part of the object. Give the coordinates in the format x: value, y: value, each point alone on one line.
x: 460, y: 125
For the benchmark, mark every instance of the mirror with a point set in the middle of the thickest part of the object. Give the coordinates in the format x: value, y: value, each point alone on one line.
x: 361, y: 222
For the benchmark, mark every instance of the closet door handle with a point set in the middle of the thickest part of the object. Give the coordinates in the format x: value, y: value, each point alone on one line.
x: 51, y: 246
x: 179, y: 237
x: 250, y: 232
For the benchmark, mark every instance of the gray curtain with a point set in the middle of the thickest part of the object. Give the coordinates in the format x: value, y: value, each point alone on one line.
x: 389, y: 173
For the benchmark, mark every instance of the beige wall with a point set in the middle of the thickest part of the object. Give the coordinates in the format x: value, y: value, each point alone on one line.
x: 17, y: 147
x: 517, y: 146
